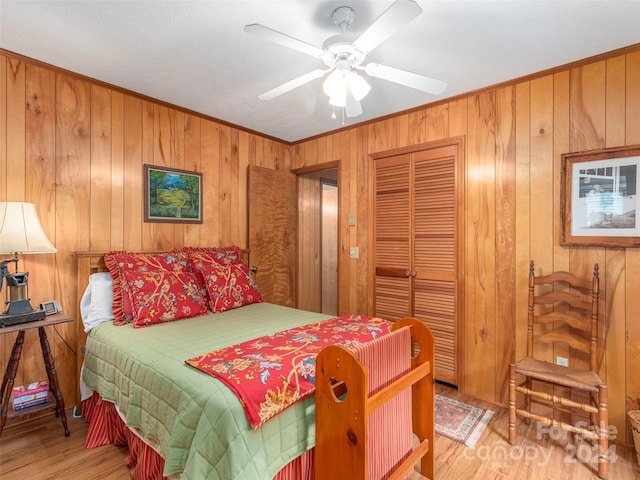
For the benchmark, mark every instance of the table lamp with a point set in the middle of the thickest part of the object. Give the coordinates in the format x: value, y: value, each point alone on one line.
x: 20, y: 232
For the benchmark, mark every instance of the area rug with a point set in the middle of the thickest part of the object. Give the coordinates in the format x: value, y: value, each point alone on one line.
x: 459, y: 421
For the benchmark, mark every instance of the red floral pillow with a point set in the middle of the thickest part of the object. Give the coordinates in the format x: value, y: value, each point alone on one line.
x: 161, y: 295
x: 199, y: 257
x: 229, y: 254
x: 120, y: 261
x: 230, y: 286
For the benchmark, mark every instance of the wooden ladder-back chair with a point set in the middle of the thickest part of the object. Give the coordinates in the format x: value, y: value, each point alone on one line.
x: 563, y: 312
x: 371, y: 402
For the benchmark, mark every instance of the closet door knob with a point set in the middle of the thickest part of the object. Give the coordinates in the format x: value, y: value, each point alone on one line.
x: 414, y: 273
x: 407, y: 274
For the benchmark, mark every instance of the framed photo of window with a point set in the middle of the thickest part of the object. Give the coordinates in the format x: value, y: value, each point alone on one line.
x: 600, y: 202
x: 172, y: 195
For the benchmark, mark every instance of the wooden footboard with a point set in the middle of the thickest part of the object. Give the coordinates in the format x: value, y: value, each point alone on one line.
x: 341, y: 436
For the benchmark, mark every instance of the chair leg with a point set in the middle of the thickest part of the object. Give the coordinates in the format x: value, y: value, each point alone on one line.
x: 527, y: 399
x: 512, y: 404
x: 603, y: 432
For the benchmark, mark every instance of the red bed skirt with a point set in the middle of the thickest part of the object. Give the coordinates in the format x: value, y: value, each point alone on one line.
x: 107, y: 427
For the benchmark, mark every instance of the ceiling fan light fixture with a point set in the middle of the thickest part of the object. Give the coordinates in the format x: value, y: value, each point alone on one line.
x: 339, y: 82
x: 335, y: 88
x: 358, y: 85
x: 344, y: 55
x: 338, y: 100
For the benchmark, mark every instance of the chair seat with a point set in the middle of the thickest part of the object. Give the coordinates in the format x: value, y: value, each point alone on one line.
x: 566, y: 376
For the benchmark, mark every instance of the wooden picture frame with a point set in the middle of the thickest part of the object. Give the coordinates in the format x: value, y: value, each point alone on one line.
x: 172, y: 195
x: 599, y: 197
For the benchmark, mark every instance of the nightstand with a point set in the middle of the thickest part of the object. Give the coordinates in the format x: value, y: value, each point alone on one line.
x: 14, y: 361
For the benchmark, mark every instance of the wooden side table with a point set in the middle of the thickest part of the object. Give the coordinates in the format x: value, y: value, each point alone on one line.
x: 14, y: 361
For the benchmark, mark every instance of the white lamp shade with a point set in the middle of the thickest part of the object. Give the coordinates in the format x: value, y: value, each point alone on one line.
x: 335, y: 89
x: 358, y: 85
x: 339, y: 83
x: 20, y: 229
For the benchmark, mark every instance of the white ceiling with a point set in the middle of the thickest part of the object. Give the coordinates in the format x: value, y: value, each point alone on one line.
x: 195, y: 54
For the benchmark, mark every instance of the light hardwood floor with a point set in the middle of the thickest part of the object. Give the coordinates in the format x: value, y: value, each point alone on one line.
x: 38, y: 450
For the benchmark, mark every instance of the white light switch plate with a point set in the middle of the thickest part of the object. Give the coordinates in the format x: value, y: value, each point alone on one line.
x: 354, y: 252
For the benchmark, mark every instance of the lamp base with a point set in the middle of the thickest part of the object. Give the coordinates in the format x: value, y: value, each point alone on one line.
x: 8, y: 319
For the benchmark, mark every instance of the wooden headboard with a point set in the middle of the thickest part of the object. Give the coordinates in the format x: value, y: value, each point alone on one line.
x: 88, y: 263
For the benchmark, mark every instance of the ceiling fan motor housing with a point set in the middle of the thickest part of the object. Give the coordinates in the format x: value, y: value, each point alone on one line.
x: 341, y: 54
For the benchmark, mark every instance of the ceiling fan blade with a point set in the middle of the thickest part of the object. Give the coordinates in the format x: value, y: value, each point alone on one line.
x: 283, y: 39
x: 409, y: 79
x: 395, y: 17
x: 295, y: 83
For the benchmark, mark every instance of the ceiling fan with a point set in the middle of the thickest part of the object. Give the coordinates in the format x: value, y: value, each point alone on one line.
x: 344, y: 57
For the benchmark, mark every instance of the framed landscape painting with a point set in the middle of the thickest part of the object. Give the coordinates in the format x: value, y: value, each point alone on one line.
x: 172, y: 195
x: 600, y: 201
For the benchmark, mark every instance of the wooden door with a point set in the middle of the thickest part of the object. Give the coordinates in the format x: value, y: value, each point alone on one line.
x: 393, y: 262
x: 434, y: 252
x: 418, y: 209
x: 272, y: 233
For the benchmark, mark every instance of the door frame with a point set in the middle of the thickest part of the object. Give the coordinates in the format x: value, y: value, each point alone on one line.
x: 460, y: 185
x: 333, y: 165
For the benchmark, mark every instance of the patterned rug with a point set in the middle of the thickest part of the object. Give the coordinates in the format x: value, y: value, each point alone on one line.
x: 459, y: 421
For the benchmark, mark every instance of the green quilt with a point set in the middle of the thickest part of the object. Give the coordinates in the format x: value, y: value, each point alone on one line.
x: 193, y: 420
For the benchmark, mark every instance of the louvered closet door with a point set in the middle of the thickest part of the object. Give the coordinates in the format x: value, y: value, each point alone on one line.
x: 434, y: 252
x: 392, y: 237
x: 415, y: 246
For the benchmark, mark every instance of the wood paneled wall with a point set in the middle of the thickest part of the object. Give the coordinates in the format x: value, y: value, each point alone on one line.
x: 515, y: 135
x: 76, y: 149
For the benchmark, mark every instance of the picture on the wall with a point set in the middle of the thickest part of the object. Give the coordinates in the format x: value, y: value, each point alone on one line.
x: 172, y: 195
x: 600, y: 198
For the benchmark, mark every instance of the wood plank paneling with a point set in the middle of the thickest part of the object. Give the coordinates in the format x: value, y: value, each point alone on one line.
x: 632, y: 255
x: 522, y: 220
x: 210, y: 168
x: 191, y: 137
x: 15, y: 139
x: 512, y: 213
x: 479, y: 371
x: 116, y: 196
x: 4, y: 118
x: 542, y: 197
x: 340, y: 151
x: 73, y: 205
x: 40, y: 168
x: 132, y: 213
x: 560, y: 145
x: 225, y: 186
x: 100, y: 201
x: 361, y: 229
x: 505, y: 233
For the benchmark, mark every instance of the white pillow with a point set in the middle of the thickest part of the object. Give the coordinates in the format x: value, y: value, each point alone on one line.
x: 96, y: 305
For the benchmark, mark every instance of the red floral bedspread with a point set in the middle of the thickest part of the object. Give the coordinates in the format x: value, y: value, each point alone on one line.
x: 273, y: 372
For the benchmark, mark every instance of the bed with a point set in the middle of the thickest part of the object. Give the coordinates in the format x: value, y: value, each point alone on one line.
x: 193, y: 423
